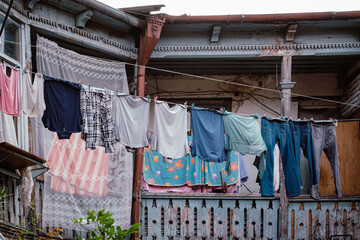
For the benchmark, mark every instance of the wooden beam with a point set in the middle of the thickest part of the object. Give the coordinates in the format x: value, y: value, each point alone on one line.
x: 82, y: 18
x: 290, y: 33
x: 215, y: 34
x: 285, y: 87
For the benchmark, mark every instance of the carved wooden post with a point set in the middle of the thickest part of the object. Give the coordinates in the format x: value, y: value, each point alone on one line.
x: 285, y: 86
x: 148, y: 41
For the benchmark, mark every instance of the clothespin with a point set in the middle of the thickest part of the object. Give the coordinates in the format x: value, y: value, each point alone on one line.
x: 16, y: 66
x: 148, y: 97
x: 117, y: 91
x: 25, y: 68
x: 156, y: 97
x: 43, y: 73
x: 185, y: 103
x: 89, y: 85
x: 192, y: 105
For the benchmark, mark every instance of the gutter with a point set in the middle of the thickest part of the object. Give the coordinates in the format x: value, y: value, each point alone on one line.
x: 112, y: 12
x: 264, y: 18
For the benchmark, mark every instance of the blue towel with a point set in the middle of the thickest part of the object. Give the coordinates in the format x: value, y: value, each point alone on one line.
x: 208, y: 135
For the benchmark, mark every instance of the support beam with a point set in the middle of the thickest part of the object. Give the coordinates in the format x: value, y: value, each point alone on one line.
x: 82, y: 18
x: 148, y: 41
x: 285, y: 88
x: 286, y: 85
x: 215, y: 34
x: 29, y: 4
x: 290, y: 33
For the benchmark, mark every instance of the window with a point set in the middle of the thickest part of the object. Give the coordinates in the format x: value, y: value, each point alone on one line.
x: 10, y: 39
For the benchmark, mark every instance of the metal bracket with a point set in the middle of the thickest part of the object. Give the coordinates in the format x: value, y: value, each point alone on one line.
x: 82, y: 18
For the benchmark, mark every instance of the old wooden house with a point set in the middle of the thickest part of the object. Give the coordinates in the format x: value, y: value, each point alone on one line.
x: 303, y: 65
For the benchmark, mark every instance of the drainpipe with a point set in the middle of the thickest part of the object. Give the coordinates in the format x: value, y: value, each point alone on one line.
x: 148, y: 40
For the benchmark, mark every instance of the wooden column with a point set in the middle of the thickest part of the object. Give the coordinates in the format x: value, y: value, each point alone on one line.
x: 148, y: 40
x: 285, y: 86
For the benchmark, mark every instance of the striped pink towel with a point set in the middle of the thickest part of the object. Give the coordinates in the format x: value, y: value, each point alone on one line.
x: 75, y: 170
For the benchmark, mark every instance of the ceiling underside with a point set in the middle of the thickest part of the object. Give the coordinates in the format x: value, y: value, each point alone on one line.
x: 266, y: 65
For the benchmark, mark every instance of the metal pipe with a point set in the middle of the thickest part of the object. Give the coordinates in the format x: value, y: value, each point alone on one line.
x: 264, y: 18
x: 139, y: 159
x: 112, y: 12
x: 6, y: 17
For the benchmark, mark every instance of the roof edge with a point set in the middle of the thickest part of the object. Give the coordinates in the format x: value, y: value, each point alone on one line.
x: 264, y: 18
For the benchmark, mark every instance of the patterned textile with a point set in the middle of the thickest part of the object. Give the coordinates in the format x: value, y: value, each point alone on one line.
x: 78, y: 172
x: 188, y: 170
x: 66, y: 64
x: 103, y: 181
x: 60, y: 207
x: 97, y: 120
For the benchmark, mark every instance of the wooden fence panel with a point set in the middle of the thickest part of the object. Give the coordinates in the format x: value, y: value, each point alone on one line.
x: 348, y: 144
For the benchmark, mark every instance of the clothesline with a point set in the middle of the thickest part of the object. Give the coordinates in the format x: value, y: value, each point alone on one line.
x: 214, y: 79
x: 187, y: 106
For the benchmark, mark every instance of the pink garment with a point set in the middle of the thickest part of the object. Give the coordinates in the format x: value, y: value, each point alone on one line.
x: 187, y: 189
x: 77, y: 170
x: 9, y: 92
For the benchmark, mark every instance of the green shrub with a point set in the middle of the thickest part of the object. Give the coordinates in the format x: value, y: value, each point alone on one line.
x: 104, y: 226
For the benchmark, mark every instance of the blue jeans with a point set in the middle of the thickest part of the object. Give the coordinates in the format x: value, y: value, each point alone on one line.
x: 301, y: 136
x: 278, y: 131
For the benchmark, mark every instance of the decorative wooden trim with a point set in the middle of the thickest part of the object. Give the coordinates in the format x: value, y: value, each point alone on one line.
x: 33, y: 18
x: 231, y: 48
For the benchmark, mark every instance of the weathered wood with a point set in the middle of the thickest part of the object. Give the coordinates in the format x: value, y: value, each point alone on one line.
x: 348, y: 145
x: 11, y: 206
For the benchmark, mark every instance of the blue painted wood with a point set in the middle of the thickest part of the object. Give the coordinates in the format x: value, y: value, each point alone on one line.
x: 235, y: 217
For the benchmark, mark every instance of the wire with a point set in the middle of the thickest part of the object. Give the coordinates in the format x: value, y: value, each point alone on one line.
x: 214, y: 79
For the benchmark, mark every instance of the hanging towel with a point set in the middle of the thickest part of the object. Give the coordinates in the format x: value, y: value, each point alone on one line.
x: 97, y: 120
x: 243, y: 135
x: 131, y: 120
x: 62, y: 114
x: 187, y: 170
x: 33, y: 103
x: 76, y: 170
x: 208, y: 135
x: 170, y: 130
x: 9, y: 92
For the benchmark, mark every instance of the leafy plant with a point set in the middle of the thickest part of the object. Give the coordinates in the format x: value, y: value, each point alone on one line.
x: 104, y: 226
x: 33, y: 231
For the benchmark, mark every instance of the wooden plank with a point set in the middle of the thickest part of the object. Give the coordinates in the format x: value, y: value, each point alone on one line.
x: 204, y: 219
x: 154, y: 217
x: 348, y: 145
x: 237, y: 223
x: 188, y: 218
x: 319, y: 220
x: 170, y: 219
x: 271, y: 219
x: 11, y: 206
x: 220, y: 218
x: 6, y: 200
x: 16, y: 201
